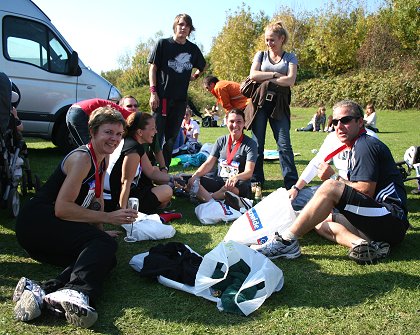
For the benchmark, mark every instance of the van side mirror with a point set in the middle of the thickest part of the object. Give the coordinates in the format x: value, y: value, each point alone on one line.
x: 74, y: 68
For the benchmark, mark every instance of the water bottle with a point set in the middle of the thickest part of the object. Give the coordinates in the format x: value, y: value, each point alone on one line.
x: 194, y: 188
x: 258, y: 194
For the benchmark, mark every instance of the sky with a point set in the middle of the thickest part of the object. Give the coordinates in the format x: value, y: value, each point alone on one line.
x: 102, y: 31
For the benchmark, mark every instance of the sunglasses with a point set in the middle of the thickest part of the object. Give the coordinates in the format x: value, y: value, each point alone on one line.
x: 131, y: 106
x: 345, y: 119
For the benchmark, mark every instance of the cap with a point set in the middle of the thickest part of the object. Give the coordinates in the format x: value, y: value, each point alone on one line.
x: 15, y: 97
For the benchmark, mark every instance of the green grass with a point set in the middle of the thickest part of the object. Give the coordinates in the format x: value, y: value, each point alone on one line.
x: 324, y: 292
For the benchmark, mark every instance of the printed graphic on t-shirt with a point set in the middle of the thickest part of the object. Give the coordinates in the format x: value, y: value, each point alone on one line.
x: 90, y: 195
x: 181, y: 63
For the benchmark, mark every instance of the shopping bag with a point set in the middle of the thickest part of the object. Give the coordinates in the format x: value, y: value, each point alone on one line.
x: 273, y: 214
x: 263, y: 274
x: 215, y: 211
x: 149, y: 227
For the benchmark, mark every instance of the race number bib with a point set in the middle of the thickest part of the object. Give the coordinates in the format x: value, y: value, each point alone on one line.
x: 228, y: 170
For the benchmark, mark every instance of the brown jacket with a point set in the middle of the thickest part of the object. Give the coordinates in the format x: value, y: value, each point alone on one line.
x: 281, y: 95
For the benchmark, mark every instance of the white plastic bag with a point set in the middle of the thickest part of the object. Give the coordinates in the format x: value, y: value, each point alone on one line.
x: 215, y: 211
x: 227, y: 253
x: 149, y: 227
x: 273, y: 214
x: 263, y: 270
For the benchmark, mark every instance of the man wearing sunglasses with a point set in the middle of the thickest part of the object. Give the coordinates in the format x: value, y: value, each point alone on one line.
x: 331, y: 151
x: 371, y: 200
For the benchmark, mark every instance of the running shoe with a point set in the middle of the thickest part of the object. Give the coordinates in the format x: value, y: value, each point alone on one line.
x: 75, y: 305
x: 28, y: 297
x: 237, y: 202
x: 277, y: 247
x: 369, y: 252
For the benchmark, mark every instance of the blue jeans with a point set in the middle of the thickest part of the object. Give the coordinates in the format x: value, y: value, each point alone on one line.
x: 303, y: 197
x: 77, y: 123
x: 281, y: 133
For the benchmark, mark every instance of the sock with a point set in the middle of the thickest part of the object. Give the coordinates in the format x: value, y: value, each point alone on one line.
x: 288, y: 236
x: 359, y: 241
x: 167, y: 217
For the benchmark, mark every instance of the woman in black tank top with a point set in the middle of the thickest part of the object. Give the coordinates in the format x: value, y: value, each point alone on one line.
x: 63, y: 225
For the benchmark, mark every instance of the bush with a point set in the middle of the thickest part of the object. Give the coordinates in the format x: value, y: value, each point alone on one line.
x: 390, y: 89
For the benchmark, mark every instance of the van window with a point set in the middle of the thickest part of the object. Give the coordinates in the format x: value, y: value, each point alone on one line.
x: 34, y: 43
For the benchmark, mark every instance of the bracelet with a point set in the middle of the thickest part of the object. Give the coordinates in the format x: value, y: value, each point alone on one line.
x: 152, y: 89
x: 296, y: 188
x: 163, y: 168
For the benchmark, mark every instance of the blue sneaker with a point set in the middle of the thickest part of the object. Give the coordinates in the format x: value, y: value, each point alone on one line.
x: 29, y: 297
x: 277, y: 247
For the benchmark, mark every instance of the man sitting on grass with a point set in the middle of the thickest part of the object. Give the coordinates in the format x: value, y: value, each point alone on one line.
x: 372, y: 201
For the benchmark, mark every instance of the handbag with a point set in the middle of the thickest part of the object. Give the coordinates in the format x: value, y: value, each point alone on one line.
x: 248, y: 87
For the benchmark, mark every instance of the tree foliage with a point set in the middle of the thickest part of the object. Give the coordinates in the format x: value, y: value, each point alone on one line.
x: 232, y: 50
x: 339, y: 39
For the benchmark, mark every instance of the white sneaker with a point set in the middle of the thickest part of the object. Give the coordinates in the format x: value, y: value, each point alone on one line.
x: 278, y: 247
x: 75, y: 305
x: 28, y: 297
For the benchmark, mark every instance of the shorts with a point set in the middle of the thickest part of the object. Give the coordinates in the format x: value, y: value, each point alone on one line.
x: 380, y: 222
x: 213, y: 183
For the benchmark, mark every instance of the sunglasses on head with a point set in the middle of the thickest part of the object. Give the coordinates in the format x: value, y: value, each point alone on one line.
x: 345, y: 119
x: 130, y: 106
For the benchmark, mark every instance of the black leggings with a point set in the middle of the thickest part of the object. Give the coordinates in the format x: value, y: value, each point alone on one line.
x: 87, y: 253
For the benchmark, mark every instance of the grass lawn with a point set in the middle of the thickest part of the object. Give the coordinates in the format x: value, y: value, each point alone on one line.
x: 324, y: 292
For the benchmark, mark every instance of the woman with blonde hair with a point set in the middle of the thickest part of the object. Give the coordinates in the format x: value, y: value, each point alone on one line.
x: 276, y: 70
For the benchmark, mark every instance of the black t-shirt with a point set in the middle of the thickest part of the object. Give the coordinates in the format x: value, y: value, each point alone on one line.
x: 130, y: 146
x: 174, y: 63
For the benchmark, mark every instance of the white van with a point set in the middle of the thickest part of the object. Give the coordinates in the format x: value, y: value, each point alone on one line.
x: 46, y: 70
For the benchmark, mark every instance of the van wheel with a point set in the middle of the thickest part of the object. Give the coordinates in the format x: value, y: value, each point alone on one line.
x: 63, y: 139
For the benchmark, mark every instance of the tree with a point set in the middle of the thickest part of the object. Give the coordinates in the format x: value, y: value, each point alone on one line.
x: 136, y: 72
x: 334, y: 38
x: 405, y: 20
x: 232, y: 50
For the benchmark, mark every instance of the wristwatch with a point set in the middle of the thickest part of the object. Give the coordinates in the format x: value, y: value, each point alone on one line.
x: 296, y: 188
x: 163, y: 168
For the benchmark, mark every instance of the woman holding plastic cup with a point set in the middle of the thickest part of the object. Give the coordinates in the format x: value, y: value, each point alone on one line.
x: 63, y: 225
